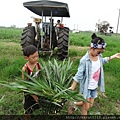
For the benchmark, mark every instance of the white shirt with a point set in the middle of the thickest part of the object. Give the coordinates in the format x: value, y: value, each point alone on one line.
x: 93, y: 82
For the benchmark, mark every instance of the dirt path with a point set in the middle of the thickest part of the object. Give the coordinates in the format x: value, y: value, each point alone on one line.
x: 78, y: 48
x: 10, y: 44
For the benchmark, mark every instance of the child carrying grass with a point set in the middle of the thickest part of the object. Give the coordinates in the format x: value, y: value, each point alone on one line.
x: 31, y: 67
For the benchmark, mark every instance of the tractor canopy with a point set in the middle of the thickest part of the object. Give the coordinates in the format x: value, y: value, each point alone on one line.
x: 45, y: 8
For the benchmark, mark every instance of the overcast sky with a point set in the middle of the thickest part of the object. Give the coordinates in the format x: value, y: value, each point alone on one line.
x: 83, y: 13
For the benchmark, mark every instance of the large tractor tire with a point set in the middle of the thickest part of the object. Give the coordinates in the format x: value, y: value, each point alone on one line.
x: 28, y: 36
x: 62, y: 43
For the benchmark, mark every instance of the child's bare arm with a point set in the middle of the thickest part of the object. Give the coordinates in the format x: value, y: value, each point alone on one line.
x: 23, y: 70
x: 35, y: 97
x: 117, y: 55
x: 73, y: 85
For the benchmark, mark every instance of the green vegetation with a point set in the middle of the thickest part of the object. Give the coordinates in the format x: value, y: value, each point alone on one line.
x: 12, y: 60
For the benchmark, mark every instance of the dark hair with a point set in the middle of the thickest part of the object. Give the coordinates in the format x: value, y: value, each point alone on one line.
x: 58, y: 21
x: 51, y: 19
x: 29, y: 50
x: 96, y: 39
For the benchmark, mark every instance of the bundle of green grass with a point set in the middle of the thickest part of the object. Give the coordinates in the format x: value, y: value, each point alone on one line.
x: 52, y: 85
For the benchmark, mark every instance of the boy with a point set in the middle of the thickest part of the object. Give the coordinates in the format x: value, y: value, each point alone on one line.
x: 32, y: 66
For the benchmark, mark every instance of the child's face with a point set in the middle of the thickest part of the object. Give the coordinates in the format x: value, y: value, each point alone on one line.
x: 33, y: 58
x: 96, y: 52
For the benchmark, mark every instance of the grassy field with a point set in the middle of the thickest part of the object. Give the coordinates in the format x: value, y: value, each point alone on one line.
x: 12, y: 60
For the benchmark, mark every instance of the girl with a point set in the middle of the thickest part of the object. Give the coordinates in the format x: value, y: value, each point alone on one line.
x: 90, y: 74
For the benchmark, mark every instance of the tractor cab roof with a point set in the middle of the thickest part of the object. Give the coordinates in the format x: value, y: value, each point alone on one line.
x: 45, y: 8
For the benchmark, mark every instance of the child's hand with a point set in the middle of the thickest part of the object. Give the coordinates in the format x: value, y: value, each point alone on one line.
x: 70, y: 88
x: 73, y: 85
x: 117, y: 55
x: 35, y: 97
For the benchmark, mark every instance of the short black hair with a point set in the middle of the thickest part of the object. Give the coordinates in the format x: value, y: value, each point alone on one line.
x: 58, y: 21
x: 29, y: 50
x: 96, y: 39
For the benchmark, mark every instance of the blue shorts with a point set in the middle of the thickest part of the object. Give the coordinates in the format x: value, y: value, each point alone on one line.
x: 92, y: 93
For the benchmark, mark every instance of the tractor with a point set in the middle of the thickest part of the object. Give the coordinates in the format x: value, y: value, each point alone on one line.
x: 104, y: 28
x: 45, y: 35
